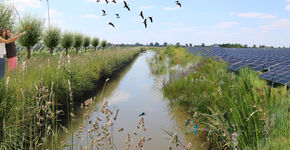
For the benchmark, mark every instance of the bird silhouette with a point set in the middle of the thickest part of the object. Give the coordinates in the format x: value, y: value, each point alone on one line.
x: 104, y: 13
x: 141, y: 14
x: 117, y: 16
x: 145, y: 23
x: 142, y: 114
x: 98, y: 1
x: 110, y: 23
x: 178, y: 3
x: 126, y: 5
x: 151, y: 19
x: 107, y: 1
x: 113, y: 1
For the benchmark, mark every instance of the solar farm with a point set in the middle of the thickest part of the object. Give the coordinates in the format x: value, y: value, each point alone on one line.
x: 274, y: 64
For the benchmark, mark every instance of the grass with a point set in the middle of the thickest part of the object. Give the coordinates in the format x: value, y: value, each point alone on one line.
x: 239, y: 110
x: 43, y: 91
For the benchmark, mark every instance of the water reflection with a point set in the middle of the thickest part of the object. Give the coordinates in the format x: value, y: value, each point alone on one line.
x: 133, y: 91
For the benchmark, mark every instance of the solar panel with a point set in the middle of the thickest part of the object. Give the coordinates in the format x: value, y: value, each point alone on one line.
x: 275, y: 61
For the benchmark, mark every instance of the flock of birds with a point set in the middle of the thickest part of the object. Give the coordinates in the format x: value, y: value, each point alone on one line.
x: 126, y: 6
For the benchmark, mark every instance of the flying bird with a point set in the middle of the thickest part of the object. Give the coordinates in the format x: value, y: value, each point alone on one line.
x: 126, y: 5
x: 114, y: 1
x: 107, y: 1
x: 98, y: 1
x: 110, y: 23
x: 178, y: 3
x: 145, y: 23
x: 104, y: 13
x: 117, y: 16
x: 142, y: 114
x: 141, y: 14
x: 151, y: 19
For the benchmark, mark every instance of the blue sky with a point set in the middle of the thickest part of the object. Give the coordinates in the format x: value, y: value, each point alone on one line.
x: 261, y: 22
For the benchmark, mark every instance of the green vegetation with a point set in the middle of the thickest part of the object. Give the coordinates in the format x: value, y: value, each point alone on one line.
x: 104, y: 44
x: 95, y: 42
x: 33, y: 26
x: 87, y: 42
x: 239, y: 110
x: 78, y: 41
x: 51, y: 38
x: 67, y: 41
x: 43, y: 91
x: 7, y: 15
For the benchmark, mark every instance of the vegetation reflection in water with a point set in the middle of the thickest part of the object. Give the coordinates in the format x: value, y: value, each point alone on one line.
x: 131, y: 92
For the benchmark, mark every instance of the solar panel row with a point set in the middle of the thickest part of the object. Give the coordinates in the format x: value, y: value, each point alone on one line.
x: 275, y: 61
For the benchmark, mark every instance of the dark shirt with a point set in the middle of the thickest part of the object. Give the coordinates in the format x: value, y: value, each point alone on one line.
x: 10, y: 50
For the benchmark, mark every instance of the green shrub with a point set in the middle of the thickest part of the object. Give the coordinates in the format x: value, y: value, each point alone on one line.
x: 104, y: 44
x: 67, y: 41
x: 7, y: 18
x: 34, y: 27
x: 87, y: 42
x: 95, y: 42
x: 51, y: 38
x: 78, y: 41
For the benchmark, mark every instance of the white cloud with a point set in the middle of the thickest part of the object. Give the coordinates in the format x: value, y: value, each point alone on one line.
x: 288, y: 7
x: 21, y: 5
x: 253, y: 15
x: 146, y: 7
x: 90, y: 16
x: 118, y: 97
x: 54, y: 13
x: 283, y: 24
x: 171, y: 8
x: 226, y: 24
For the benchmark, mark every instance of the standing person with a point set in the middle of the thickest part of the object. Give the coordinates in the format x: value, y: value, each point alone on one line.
x: 11, y: 53
x: 3, y: 49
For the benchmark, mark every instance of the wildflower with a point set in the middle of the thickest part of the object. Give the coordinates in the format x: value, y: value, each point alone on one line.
x: 188, y: 147
x: 117, y: 111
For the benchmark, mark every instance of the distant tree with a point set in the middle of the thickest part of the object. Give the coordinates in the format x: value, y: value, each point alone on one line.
x: 151, y: 44
x: 245, y: 46
x: 165, y: 44
x: 190, y: 45
x: 177, y: 44
x: 51, y: 38
x: 262, y: 46
x: 203, y: 45
x: 104, y: 44
x: 87, y: 42
x: 95, y: 42
x: 78, y: 41
x: 186, y: 45
x: 34, y: 27
x: 157, y: 44
x: 254, y: 46
x: 7, y: 19
x: 67, y: 41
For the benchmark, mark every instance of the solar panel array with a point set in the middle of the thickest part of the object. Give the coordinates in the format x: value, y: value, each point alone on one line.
x: 275, y: 63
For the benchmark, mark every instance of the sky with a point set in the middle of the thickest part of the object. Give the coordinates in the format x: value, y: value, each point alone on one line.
x: 260, y: 22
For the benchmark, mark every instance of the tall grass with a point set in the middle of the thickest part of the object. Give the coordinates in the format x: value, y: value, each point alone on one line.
x: 237, y: 109
x: 36, y: 97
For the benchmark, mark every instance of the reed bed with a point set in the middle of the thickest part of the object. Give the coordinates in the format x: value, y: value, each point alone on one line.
x: 36, y: 98
x: 239, y: 110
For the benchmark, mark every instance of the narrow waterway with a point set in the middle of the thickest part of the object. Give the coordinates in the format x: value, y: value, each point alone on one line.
x: 135, y: 90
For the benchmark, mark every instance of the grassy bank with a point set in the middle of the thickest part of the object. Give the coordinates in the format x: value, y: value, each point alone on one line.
x: 44, y: 90
x: 238, y: 110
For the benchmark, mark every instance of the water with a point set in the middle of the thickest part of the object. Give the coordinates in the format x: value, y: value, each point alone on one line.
x: 135, y: 90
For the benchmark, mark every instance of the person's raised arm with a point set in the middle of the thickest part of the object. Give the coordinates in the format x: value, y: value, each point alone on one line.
x: 10, y: 40
x: 16, y: 36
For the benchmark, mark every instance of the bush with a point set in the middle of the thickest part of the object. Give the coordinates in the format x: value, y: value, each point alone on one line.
x: 104, y: 44
x: 95, y: 42
x: 33, y: 26
x: 51, y: 38
x: 78, y: 41
x: 67, y: 41
x: 87, y: 42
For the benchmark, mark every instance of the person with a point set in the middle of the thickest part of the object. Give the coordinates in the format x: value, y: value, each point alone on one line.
x: 11, y: 53
x: 3, y: 41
